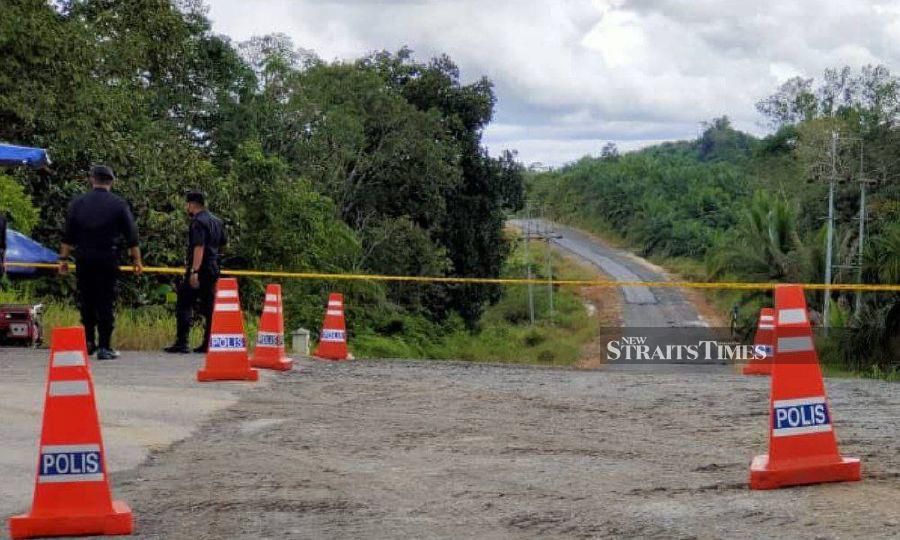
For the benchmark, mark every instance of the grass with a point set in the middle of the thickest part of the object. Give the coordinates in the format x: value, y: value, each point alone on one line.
x: 872, y: 372
x: 146, y: 328
x: 596, y: 226
x: 505, y: 334
x: 508, y: 336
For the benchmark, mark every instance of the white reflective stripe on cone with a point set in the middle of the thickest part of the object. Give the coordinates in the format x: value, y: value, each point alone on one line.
x: 335, y: 303
x: 767, y: 318
x: 69, y: 448
x: 227, y: 294
x: 767, y: 327
x: 334, y: 312
x: 228, y: 307
x: 270, y: 309
x: 792, y: 316
x: 69, y: 388
x: 64, y: 478
x: 801, y: 430
x: 68, y: 359
x: 796, y: 402
x: 271, y: 298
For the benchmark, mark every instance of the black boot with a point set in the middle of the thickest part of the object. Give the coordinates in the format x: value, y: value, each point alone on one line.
x: 177, y: 349
x: 107, y: 354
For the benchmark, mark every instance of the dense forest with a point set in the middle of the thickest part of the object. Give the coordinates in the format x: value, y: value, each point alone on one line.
x: 755, y: 209
x: 374, y: 165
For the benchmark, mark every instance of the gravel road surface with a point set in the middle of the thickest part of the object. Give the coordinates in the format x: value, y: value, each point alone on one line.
x: 146, y: 402
x: 393, y: 449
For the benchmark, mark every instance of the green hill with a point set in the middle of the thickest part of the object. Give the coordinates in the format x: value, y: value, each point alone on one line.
x: 730, y: 206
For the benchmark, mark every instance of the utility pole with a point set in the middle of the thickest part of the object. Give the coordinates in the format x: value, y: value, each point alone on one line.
x: 547, y: 235
x: 538, y: 229
x: 862, y: 229
x: 830, y: 235
x: 528, y: 262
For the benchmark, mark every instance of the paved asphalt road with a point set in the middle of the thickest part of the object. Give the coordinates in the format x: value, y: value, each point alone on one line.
x: 645, y: 307
x: 656, y: 316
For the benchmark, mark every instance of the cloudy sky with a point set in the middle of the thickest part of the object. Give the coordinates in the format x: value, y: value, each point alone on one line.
x: 573, y: 74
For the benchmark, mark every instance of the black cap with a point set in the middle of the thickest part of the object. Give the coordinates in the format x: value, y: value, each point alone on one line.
x: 195, y: 196
x: 102, y: 172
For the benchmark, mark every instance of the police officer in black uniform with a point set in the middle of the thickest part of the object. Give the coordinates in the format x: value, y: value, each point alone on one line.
x: 206, y: 237
x: 94, y: 226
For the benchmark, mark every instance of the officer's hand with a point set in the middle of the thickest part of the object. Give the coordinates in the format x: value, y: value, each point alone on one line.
x: 63, y: 268
x: 195, y: 281
x: 138, y: 268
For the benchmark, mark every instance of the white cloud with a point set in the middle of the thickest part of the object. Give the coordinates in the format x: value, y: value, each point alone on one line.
x: 570, y: 73
x: 556, y: 152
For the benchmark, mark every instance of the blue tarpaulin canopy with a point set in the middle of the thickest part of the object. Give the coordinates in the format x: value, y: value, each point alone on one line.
x: 21, y: 249
x: 15, y: 156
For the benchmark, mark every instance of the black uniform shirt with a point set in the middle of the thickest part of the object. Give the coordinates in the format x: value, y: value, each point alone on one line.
x: 208, y: 231
x: 95, y: 223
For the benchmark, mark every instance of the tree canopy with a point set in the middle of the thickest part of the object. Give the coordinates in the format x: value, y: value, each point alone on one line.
x: 374, y: 165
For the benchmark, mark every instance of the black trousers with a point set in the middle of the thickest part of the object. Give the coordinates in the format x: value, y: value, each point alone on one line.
x: 201, y: 298
x: 96, y: 280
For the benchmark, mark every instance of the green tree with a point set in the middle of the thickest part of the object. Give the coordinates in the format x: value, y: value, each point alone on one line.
x: 373, y: 166
x: 762, y: 245
x: 14, y: 202
x: 489, y: 187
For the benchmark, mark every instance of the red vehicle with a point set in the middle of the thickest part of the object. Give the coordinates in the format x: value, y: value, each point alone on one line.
x: 21, y: 325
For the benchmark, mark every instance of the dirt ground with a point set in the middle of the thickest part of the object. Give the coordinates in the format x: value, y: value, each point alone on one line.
x: 606, y: 306
x: 379, y: 449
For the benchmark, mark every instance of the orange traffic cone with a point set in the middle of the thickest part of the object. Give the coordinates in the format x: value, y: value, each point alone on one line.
x: 226, y: 356
x: 269, y: 352
x: 333, y: 341
x: 802, y: 444
x: 71, y: 493
x: 763, y: 345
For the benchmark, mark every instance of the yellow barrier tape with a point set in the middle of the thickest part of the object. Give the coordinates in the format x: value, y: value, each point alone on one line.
x: 865, y: 287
